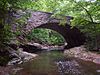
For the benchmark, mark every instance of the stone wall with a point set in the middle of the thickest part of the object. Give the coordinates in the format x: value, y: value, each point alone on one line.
x: 73, y: 36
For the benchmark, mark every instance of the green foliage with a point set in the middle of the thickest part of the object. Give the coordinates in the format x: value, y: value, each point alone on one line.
x: 6, y: 8
x: 85, y: 13
x: 46, y: 36
x: 88, y: 22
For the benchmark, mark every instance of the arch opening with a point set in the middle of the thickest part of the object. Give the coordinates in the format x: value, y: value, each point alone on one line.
x: 46, y: 36
x: 72, y: 36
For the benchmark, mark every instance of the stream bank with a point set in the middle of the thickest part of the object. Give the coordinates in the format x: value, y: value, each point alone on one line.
x: 81, y: 53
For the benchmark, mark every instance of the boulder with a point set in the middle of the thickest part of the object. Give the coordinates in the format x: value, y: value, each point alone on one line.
x: 21, y: 56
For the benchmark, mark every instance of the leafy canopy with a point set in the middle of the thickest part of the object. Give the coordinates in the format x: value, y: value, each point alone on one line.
x: 86, y: 13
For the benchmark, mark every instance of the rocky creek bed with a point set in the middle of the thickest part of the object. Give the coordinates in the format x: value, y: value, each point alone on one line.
x: 74, y: 61
x: 82, y: 53
x: 53, y: 63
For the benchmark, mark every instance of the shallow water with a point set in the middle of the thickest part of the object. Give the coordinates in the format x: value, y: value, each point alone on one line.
x: 55, y: 63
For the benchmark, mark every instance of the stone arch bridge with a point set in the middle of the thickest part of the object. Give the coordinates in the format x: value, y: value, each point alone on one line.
x: 73, y: 36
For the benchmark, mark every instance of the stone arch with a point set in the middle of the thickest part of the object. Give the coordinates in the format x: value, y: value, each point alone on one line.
x: 71, y: 35
x: 39, y: 19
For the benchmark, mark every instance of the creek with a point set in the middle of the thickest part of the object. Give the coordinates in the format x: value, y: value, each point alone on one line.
x: 55, y: 63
